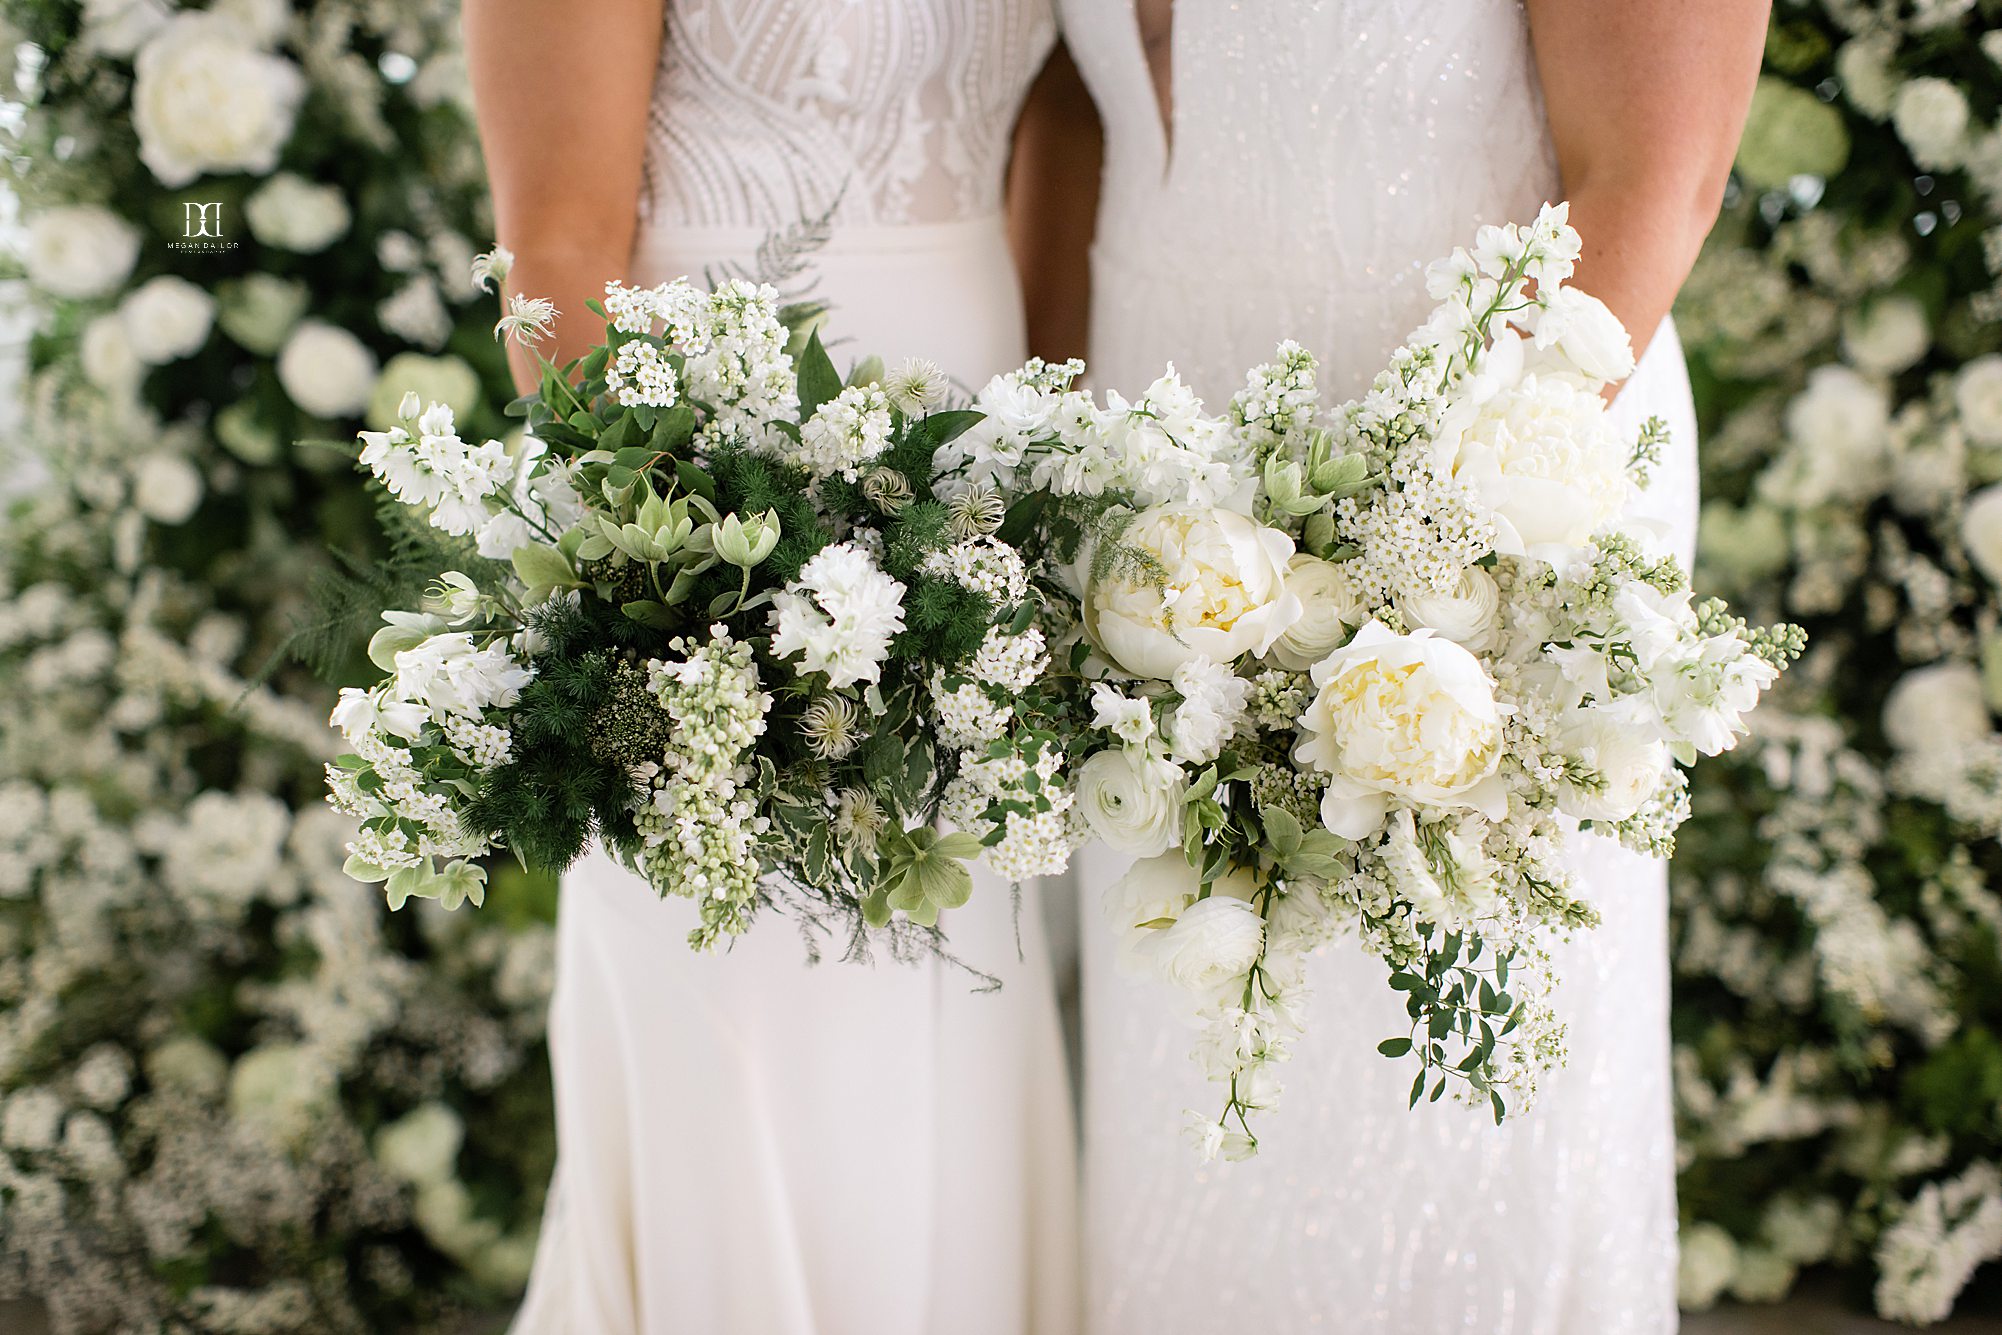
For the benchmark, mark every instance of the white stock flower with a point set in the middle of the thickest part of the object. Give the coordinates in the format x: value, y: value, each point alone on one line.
x: 1931, y: 115
x: 1469, y: 614
x: 166, y: 318
x: 840, y: 614
x: 204, y: 99
x: 79, y: 251
x: 1224, y: 595
x: 1936, y: 708
x: 1410, y: 718
x: 326, y: 370
x: 1210, y: 712
x: 1981, y: 531
x: 1588, y: 335
x: 1887, y: 335
x: 1977, y: 396
x: 1538, y: 451
x: 1330, y: 606
x: 845, y: 432
x: 1620, y: 750
x: 292, y: 213
x: 1132, y: 801
x: 1129, y: 719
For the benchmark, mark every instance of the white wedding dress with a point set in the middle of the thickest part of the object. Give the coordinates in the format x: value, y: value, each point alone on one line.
x: 1321, y: 153
x: 749, y: 1145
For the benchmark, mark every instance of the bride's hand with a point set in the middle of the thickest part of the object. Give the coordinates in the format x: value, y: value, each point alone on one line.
x: 562, y: 93
x: 1646, y: 100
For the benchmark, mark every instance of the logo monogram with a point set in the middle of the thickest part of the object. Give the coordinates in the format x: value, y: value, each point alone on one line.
x: 200, y: 216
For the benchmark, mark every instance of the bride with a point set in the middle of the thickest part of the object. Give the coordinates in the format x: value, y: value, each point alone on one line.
x: 1286, y: 168
x: 748, y: 1146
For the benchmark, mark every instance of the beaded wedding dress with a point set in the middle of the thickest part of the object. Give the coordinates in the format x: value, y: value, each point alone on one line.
x: 749, y: 1145
x: 1321, y: 152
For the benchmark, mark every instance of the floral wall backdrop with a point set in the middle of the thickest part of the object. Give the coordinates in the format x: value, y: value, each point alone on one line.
x: 1839, y: 997
x: 239, y: 1095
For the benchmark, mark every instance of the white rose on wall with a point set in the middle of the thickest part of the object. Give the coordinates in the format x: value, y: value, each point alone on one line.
x: 166, y: 318
x: 1981, y: 531
x: 205, y: 100
x: 1838, y: 428
x: 79, y: 251
x: 1329, y: 607
x: 1931, y: 116
x: 1408, y: 717
x: 1631, y: 763
x: 1887, y: 335
x: 1225, y: 593
x: 326, y: 370
x: 1469, y: 614
x: 1936, y: 707
x: 105, y: 353
x: 422, y: 1146
x: 1539, y: 452
x: 1132, y: 801
x: 292, y: 213
x: 166, y: 487
x: 1977, y: 396
x: 120, y: 27
x: 1864, y: 67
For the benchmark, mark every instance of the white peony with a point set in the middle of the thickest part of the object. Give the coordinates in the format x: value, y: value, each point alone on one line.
x: 1622, y: 752
x: 79, y: 251
x: 1469, y: 614
x: 1887, y: 335
x: 204, y: 99
x: 1215, y: 941
x: 1588, y: 335
x: 841, y: 614
x: 1330, y: 606
x: 326, y: 370
x: 166, y: 318
x: 1132, y: 801
x: 1931, y: 115
x: 1937, y: 707
x: 1977, y: 396
x: 1225, y: 593
x: 292, y: 213
x: 166, y: 488
x: 1538, y: 451
x: 1405, y: 717
x: 1981, y: 531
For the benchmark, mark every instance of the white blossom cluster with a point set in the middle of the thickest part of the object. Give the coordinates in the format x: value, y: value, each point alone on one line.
x: 733, y: 355
x: 846, y: 432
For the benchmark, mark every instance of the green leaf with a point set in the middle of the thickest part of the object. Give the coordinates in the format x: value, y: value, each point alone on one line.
x: 648, y: 613
x: 818, y: 380
x: 696, y: 480
x: 542, y: 568
x: 1394, y: 1047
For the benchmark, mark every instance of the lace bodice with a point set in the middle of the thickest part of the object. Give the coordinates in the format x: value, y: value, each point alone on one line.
x: 767, y: 112
x: 1321, y: 152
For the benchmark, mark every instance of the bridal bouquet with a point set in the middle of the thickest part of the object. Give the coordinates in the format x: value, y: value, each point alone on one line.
x: 707, y: 609
x: 1363, y: 670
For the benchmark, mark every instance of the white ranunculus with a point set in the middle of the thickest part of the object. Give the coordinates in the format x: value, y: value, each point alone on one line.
x: 1931, y: 115
x: 326, y: 370
x: 79, y: 251
x: 1407, y: 717
x: 1132, y: 800
x: 204, y: 99
x: 1154, y: 896
x: 1981, y: 531
x: 1215, y: 941
x: 166, y: 318
x: 166, y: 487
x: 292, y: 213
x: 1225, y: 593
x: 1330, y: 607
x: 1977, y: 395
x: 1887, y: 335
x: 105, y: 353
x: 1538, y: 451
x: 1469, y: 614
x: 1588, y: 334
x: 1622, y: 751
x: 1934, y: 707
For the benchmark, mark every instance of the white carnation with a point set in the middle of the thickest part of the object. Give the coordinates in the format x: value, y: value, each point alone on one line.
x: 79, y: 251
x: 205, y: 100
x: 326, y: 370
x: 1211, y: 711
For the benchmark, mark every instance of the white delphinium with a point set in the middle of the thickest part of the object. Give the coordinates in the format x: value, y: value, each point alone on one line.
x: 326, y: 370
x: 79, y: 251
x: 847, y: 431
x: 1017, y: 411
x: 423, y: 462
x: 840, y: 615
x: 205, y: 99
x: 543, y: 503
x: 1168, y: 452
x: 1129, y: 719
x: 641, y: 376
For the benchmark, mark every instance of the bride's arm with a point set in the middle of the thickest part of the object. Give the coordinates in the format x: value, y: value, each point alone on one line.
x: 561, y: 92
x: 1646, y: 100
x: 1053, y: 206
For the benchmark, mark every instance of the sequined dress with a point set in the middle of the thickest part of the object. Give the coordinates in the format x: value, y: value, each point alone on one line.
x: 1320, y: 153
x: 749, y: 1145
